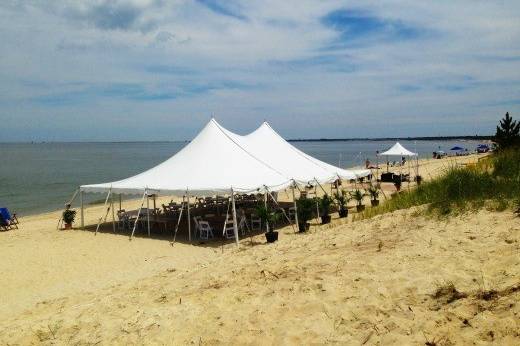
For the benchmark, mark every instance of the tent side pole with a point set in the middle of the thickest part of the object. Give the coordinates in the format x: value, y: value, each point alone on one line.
x: 104, y: 205
x: 317, y: 205
x: 178, y: 223
x: 82, y: 209
x: 113, y: 213
x: 265, y: 205
x: 148, y: 213
x: 321, y: 187
x: 235, y: 225
x: 281, y: 209
x: 295, y: 208
x: 377, y: 165
x: 120, y: 202
x: 189, y: 219
x: 138, y: 214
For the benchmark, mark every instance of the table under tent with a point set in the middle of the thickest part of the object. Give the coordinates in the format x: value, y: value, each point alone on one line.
x: 235, y: 171
x: 398, y: 150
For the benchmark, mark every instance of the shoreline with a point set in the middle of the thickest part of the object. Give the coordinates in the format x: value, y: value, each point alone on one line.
x: 423, y: 162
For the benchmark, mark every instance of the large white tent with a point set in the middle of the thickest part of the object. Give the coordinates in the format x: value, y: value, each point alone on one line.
x: 220, y: 161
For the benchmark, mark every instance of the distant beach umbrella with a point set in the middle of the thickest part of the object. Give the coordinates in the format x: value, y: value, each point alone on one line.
x: 457, y: 148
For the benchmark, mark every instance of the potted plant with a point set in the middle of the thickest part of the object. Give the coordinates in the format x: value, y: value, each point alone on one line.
x: 68, y: 218
x: 268, y: 217
x: 358, y: 196
x: 325, y: 203
x: 342, y: 200
x: 305, y: 208
x: 373, y: 190
x: 397, y: 182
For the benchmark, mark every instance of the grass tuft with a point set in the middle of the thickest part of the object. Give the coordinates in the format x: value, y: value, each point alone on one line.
x: 447, y: 293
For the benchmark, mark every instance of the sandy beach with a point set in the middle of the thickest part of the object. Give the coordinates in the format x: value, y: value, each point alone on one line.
x: 364, y: 282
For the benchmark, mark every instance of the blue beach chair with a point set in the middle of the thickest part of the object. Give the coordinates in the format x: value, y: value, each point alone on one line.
x: 8, y: 221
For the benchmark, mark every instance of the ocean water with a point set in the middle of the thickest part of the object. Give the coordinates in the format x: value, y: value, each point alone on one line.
x: 41, y: 177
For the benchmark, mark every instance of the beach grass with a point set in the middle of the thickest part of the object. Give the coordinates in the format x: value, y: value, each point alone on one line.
x: 494, y: 182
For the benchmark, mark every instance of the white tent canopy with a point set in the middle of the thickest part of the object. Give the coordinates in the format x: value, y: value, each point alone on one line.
x: 218, y: 160
x: 270, y: 147
x: 397, y: 150
x: 211, y: 162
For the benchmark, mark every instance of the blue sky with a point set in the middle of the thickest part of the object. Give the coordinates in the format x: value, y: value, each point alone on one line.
x: 159, y: 70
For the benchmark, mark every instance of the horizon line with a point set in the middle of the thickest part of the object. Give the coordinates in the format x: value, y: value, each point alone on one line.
x: 325, y: 139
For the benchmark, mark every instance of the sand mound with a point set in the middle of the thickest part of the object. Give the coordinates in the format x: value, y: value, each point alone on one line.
x: 394, y: 279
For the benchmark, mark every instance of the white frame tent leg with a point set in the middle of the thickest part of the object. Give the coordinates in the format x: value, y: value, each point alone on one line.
x: 178, y: 223
x: 295, y: 207
x: 235, y: 225
x: 138, y: 214
x: 265, y: 205
x: 113, y: 213
x: 283, y: 211
x: 189, y: 219
x: 148, y: 213
x: 317, y: 204
x: 106, y: 213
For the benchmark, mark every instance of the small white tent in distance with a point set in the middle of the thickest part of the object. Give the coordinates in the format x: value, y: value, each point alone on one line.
x: 398, y: 150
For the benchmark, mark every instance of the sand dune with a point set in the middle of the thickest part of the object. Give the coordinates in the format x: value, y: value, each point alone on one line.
x: 366, y: 282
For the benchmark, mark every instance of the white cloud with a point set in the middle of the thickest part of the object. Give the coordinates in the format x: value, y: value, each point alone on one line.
x: 176, y: 63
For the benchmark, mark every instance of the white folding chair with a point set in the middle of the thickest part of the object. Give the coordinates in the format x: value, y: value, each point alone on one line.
x: 123, y: 220
x: 229, y: 230
x: 196, y: 220
x: 292, y: 213
x: 256, y: 223
x: 205, y: 230
x: 242, y: 224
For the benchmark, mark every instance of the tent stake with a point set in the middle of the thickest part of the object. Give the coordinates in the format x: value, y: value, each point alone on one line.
x: 235, y: 226
x: 138, y: 214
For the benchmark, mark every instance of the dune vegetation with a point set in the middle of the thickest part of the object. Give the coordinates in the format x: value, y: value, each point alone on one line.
x: 493, y: 182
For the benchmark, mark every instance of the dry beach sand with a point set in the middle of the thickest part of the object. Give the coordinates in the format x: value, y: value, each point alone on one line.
x: 366, y: 282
